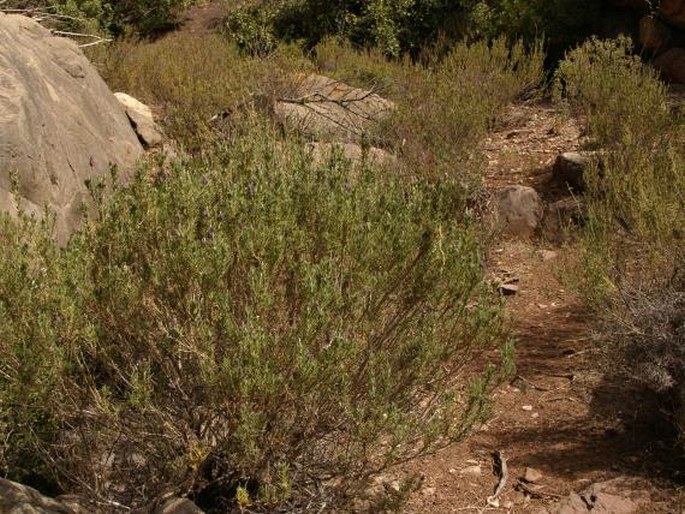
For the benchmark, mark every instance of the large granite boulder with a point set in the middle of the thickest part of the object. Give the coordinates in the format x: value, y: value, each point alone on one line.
x: 60, y: 125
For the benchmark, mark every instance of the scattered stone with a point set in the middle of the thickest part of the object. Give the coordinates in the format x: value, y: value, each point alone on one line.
x: 354, y: 153
x: 570, y: 167
x: 473, y: 471
x: 428, y: 491
x: 561, y: 216
x: 532, y: 476
x: 547, y: 255
x: 527, y: 408
x: 617, y: 496
x: 672, y: 64
x: 518, y: 210
x: 20, y: 499
x: 142, y: 121
x: 673, y: 11
x: 508, y: 289
x: 178, y: 506
x: 324, y: 108
x: 60, y: 125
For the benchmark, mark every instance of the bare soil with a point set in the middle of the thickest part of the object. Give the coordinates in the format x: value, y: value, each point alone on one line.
x: 562, y: 415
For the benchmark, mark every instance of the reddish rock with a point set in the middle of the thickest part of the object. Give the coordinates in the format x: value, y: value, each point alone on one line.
x: 654, y: 34
x: 673, y: 11
x: 672, y: 64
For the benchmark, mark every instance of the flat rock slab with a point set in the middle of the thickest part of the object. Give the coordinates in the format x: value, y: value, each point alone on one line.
x: 60, y: 125
x: 327, y: 109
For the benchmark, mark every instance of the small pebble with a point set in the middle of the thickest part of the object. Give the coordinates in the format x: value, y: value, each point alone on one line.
x: 532, y: 476
x: 472, y: 471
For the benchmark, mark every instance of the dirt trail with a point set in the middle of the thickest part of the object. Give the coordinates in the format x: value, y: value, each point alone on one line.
x: 560, y: 416
x: 203, y: 18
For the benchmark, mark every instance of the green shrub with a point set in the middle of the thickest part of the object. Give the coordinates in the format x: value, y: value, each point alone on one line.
x: 447, y: 109
x: 243, y: 327
x: 193, y: 78
x: 444, y: 108
x: 399, y: 27
x: 633, y: 243
x: 143, y: 18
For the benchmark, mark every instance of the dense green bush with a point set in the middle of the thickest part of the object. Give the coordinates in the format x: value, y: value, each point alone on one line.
x: 396, y: 27
x: 243, y: 327
x: 634, y: 241
x: 114, y: 17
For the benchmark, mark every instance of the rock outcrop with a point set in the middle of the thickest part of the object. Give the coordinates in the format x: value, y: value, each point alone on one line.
x: 60, y: 125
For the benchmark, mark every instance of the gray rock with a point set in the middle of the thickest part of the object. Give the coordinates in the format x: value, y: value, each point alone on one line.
x: 570, y: 168
x: 60, y: 125
x: 507, y: 289
x: 142, y: 121
x: 20, y: 499
x: 518, y: 210
x: 617, y: 496
x: 323, y: 108
x: 560, y: 217
x: 472, y: 471
x: 178, y: 506
x: 532, y: 476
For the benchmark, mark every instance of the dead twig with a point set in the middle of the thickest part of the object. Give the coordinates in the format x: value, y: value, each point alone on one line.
x: 502, y: 471
x: 535, y: 493
x: 531, y: 384
x: 562, y: 398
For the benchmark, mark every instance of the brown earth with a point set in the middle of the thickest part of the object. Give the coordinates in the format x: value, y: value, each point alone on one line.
x: 203, y: 17
x: 561, y: 415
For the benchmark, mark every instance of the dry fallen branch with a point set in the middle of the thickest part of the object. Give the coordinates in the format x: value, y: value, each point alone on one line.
x: 531, y: 384
x: 535, y: 493
x: 502, y: 471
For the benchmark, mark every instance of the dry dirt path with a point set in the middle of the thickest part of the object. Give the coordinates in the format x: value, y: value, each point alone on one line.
x: 560, y: 416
